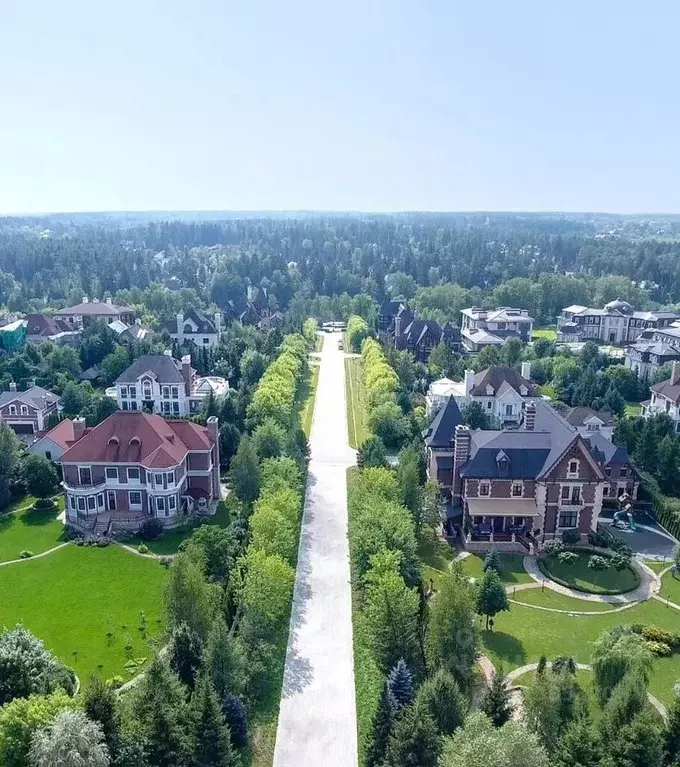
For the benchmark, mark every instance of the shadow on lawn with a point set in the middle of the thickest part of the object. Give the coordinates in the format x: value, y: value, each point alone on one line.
x: 39, y: 517
x: 505, y: 647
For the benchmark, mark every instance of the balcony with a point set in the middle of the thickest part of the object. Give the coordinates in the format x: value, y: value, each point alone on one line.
x: 84, y: 489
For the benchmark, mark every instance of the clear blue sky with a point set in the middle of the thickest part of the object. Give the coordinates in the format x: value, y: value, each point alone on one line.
x: 352, y: 105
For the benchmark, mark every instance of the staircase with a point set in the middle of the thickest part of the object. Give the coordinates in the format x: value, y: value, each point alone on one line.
x: 101, y: 526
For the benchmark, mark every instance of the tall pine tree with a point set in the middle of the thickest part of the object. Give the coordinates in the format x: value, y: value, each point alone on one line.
x: 383, y: 721
x: 212, y: 742
x: 400, y: 685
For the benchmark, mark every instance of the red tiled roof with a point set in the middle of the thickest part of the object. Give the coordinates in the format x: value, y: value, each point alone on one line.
x: 62, y: 433
x: 136, y: 437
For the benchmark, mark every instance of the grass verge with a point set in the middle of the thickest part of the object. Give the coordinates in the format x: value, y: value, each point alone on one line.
x: 29, y: 529
x: 512, y: 568
x: 633, y: 409
x: 86, y: 604
x: 357, y: 418
x: 308, y: 408
x: 548, y: 333
x: 552, y: 599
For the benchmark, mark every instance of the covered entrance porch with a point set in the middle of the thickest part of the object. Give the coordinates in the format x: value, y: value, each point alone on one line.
x: 502, y: 523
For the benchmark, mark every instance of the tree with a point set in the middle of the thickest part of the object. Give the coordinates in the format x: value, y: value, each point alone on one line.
x: 496, y: 702
x: 381, y: 727
x: 216, y: 549
x: 431, y: 506
x: 189, y: 598
x: 71, y: 740
x: 475, y: 417
x: 628, y: 699
x: 237, y: 720
x: 614, y: 402
x: 9, y: 458
x: 21, y: 718
x: 186, y: 653
x: 492, y: 561
x: 408, y: 474
x: 452, y: 638
x: 266, y: 595
x: 40, y: 476
x: 27, y: 668
x: 511, y: 353
x: 646, y: 451
x: 551, y: 703
x: 637, y: 744
x: 160, y: 711
x: 580, y: 745
x: 269, y: 439
x: 478, y: 742
x: 400, y: 685
x: 414, y: 739
x: 372, y: 454
x: 74, y: 399
x: 100, y: 705
x: 669, y: 465
x: 616, y: 653
x: 388, y: 422
x: 491, y: 597
x: 245, y: 472
x: 442, y: 697
x: 224, y: 661
x: 597, y: 564
x: 229, y: 439
x: 671, y: 733
x: 212, y: 743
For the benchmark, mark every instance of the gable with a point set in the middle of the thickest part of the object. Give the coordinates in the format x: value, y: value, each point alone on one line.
x: 588, y: 468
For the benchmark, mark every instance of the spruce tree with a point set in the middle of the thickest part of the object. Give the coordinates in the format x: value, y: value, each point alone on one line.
x: 212, y: 743
x: 496, y: 703
x: 186, y: 652
x: 492, y: 561
x: 671, y: 733
x: 101, y: 705
x: 443, y: 698
x: 237, y: 720
x: 381, y: 727
x: 414, y: 739
x: 580, y: 745
x: 400, y: 685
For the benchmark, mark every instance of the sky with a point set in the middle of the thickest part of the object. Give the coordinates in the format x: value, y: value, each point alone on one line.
x: 365, y: 105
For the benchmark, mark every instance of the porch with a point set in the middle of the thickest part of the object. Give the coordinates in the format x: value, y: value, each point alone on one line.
x: 502, y: 523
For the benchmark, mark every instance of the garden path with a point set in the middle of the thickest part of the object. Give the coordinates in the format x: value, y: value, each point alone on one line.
x: 317, y: 718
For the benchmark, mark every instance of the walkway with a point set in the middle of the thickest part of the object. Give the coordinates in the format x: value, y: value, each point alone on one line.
x: 317, y: 719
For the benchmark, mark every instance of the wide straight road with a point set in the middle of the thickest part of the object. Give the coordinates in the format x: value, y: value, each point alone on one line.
x: 317, y: 720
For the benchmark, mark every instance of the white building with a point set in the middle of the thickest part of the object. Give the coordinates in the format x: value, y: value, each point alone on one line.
x: 665, y: 398
x: 492, y: 327
x: 193, y: 326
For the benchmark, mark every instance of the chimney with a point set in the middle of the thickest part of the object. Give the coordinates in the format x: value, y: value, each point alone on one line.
x: 180, y: 327
x: 218, y: 323
x: 530, y: 416
x: 675, y: 373
x: 187, y: 372
x: 213, y: 425
x: 167, y: 352
x: 12, y: 386
x: 461, y: 454
x: 95, y: 300
x: 138, y: 321
x: 526, y: 370
x: 250, y: 293
x: 78, y: 428
x: 85, y: 299
x: 30, y: 384
x: 469, y: 381
x: 109, y: 300
x: 397, y: 328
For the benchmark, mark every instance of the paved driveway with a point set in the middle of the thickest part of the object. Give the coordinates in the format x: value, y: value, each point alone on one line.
x: 317, y: 720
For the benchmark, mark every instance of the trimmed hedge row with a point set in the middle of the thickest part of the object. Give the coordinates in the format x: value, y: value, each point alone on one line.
x: 357, y: 332
x: 665, y: 509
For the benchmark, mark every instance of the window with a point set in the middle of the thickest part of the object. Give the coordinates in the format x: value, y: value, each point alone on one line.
x: 125, y: 405
x: 516, y: 489
x: 575, y: 496
x: 85, y: 475
x: 135, y: 498
x: 605, y: 491
x: 170, y: 476
x: 133, y: 406
x: 484, y: 488
x: 158, y: 479
x: 166, y: 391
x: 112, y: 473
x: 12, y: 409
x: 175, y: 392
x: 123, y: 392
x: 488, y: 405
x: 72, y: 501
x: 572, y: 471
x: 81, y: 503
x: 160, y: 503
x: 24, y: 410
x: 133, y: 474
x: 172, y: 502
x: 568, y: 519
x: 48, y: 455
x: 206, y: 340
x: 566, y: 492
x: 147, y: 393
x: 165, y: 406
x: 133, y: 392
x: 175, y: 408
x: 91, y: 503
x: 100, y: 501
x: 623, y: 473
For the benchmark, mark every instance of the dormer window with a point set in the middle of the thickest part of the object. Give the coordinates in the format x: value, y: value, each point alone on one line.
x: 517, y: 489
x: 484, y: 489
x: 573, y: 469
x: 12, y: 409
x: 523, y: 390
x: 489, y: 390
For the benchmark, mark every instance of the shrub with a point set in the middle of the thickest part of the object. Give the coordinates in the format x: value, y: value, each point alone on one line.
x: 143, y: 548
x: 571, y: 537
x: 620, y: 547
x: 598, y: 539
x: 164, y: 561
x: 659, y: 648
x: 80, y: 541
x: 102, y: 543
x: 567, y: 557
x: 25, y: 554
x: 553, y: 548
x: 151, y: 529
x: 43, y: 504
x: 656, y: 634
x: 115, y: 682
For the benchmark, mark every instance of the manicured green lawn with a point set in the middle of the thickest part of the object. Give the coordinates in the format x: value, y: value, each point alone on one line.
x: 308, y: 409
x: 633, y: 409
x: 513, y: 570
x: 548, y: 598
x: 657, y: 565
x: 29, y: 530
x: 548, y: 333
x: 670, y: 589
x: 357, y: 418
x: 169, y: 543
x: 72, y: 598
x: 434, y: 552
x: 579, y: 576
x: 523, y: 634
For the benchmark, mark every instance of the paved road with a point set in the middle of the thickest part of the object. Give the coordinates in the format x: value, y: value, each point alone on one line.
x: 317, y: 720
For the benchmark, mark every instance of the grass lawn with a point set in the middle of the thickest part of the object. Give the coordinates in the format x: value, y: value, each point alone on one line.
x: 357, y: 418
x: 434, y: 552
x: 549, y: 598
x: 71, y: 599
x: 670, y: 589
x: 548, y: 333
x: 579, y: 576
x: 633, y: 409
x: 513, y: 569
x: 171, y: 539
x: 548, y: 391
x: 308, y: 408
x: 657, y: 565
x: 29, y: 530
x: 523, y: 634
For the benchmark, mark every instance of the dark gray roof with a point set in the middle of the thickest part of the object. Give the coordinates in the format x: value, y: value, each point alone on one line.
x: 165, y: 368
x: 577, y: 416
x: 495, y: 376
x: 655, y: 347
x: 440, y: 433
x: 36, y: 396
x: 604, y: 451
x: 514, y: 454
x: 667, y: 389
x: 204, y: 324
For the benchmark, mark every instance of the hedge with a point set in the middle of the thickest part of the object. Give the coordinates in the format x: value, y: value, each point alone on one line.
x: 357, y: 332
x: 665, y: 509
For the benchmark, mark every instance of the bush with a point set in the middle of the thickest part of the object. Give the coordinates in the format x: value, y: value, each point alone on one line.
x: 656, y: 634
x: 620, y: 547
x: 553, y: 548
x: 25, y: 554
x: 143, y: 548
x: 659, y: 648
x: 598, y: 539
x: 102, y: 543
x: 80, y: 541
x: 43, y: 504
x: 571, y: 537
x: 165, y: 561
x: 115, y: 682
x: 151, y: 529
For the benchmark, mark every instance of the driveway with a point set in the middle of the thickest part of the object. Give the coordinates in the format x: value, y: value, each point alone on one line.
x: 317, y: 719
